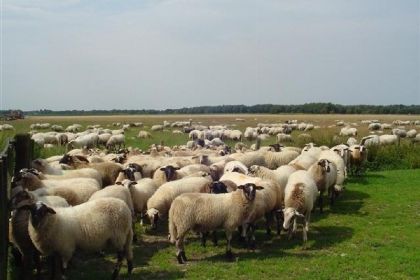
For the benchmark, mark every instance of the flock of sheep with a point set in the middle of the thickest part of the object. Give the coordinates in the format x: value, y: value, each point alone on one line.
x: 89, y: 198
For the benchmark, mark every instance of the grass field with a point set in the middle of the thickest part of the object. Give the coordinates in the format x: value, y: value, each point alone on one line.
x: 371, y: 233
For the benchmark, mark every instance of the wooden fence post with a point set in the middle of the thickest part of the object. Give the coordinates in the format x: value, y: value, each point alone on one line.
x: 24, y: 151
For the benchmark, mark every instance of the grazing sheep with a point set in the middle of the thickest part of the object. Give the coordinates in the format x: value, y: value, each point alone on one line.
x: 144, y: 134
x: 157, y: 127
x: 371, y: 140
x: 411, y: 133
x: 389, y: 139
x: 132, y: 172
x: 282, y: 137
x: 351, y: 141
x: 158, y: 205
x: 300, y: 196
x: 249, y: 158
x: 399, y: 132
x: 116, y: 140
x: 207, y: 212
x: 303, y: 161
x: 88, y: 227
x: 348, y: 131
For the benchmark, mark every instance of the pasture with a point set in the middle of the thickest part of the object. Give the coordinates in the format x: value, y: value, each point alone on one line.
x: 371, y: 232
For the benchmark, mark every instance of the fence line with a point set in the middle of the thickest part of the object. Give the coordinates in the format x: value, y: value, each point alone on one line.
x: 17, y: 154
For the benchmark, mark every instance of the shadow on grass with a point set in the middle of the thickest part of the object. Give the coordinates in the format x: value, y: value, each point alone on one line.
x: 320, y: 237
x: 364, y: 179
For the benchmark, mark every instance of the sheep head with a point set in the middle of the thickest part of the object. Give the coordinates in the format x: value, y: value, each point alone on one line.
x: 218, y: 187
x: 170, y: 172
x: 249, y: 190
x: 290, y: 214
x: 39, y: 211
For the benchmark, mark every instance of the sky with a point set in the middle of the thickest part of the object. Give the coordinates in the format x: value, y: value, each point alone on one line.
x: 159, y: 54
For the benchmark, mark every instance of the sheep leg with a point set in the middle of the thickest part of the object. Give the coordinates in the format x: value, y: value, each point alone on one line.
x: 180, y: 254
x: 251, y: 239
x: 229, y: 254
x: 306, y: 227
x: 279, y: 219
x: 268, y: 222
x: 204, y: 238
x: 214, y: 238
x: 38, y: 267
x: 27, y: 266
x: 320, y: 200
x: 120, y: 257
x: 243, y: 229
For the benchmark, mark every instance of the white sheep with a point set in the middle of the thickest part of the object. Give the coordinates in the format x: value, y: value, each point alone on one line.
x: 348, y: 131
x: 116, y: 140
x: 300, y: 196
x: 235, y: 166
x: 274, y: 160
x: 89, y: 227
x: 324, y: 174
x: 158, y: 205
x: 208, y: 212
x: 157, y: 127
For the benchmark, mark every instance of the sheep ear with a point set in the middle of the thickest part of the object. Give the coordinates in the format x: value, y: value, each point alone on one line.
x: 162, y: 169
x: 241, y: 187
x: 132, y: 183
x: 50, y: 210
x: 118, y: 183
x: 259, y: 188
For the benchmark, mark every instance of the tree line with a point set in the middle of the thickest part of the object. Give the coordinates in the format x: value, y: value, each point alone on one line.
x: 308, y: 108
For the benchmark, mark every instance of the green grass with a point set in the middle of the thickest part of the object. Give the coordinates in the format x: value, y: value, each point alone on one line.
x: 372, y: 232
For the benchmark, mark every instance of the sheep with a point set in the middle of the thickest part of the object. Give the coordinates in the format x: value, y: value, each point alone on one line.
x: 282, y: 137
x: 141, y: 191
x: 416, y: 139
x: 158, y: 205
x: 166, y: 174
x: 303, y: 161
x: 324, y: 173
x: 274, y: 160
x: 389, y: 139
x: 156, y: 127
x: 358, y: 155
x: 49, y: 172
x: 235, y: 166
x: 249, y: 158
x: 89, y: 227
x: 90, y: 140
x: 374, y: 126
x: 300, y: 195
x: 348, y: 131
x: 19, y: 235
x: 194, y: 168
x: 411, y: 133
x: 351, y: 141
x: 103, y: 138
x: 343, y: 151
x: 207, y: 212
x: 339, y: 163
x: 116, y: 140
x: 399, y: 132
x: 132, y: 172
x: 108, y: 170
x: 371, y: 140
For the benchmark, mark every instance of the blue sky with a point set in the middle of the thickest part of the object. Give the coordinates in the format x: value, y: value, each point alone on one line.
x: 73, y: 54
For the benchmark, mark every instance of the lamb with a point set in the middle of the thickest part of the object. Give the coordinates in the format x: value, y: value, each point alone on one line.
x: 89, y: 227
x: 300, y: 195
x: 324, y: 173
x: 207, y: 212
x: 274, y: 160
x: 158, y: 205
x: 109, y: 171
